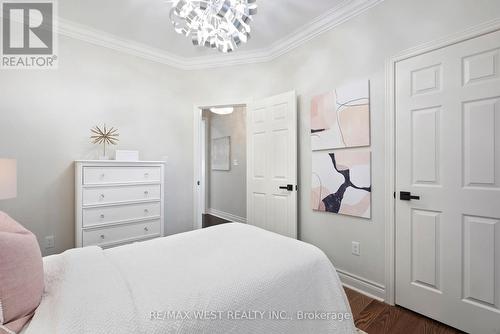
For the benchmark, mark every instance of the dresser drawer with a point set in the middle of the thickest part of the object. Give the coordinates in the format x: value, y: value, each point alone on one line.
x: 106, y: 195
x: 117, y: 213
x: 106, y: 175
x: 121, y: 233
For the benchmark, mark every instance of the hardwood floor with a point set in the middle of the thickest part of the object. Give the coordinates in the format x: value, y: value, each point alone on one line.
x: 375, y: 317
x: 209, y: 220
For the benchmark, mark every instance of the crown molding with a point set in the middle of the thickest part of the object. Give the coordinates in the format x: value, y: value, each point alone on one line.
x: 100, y: 38
x: 347, y: 10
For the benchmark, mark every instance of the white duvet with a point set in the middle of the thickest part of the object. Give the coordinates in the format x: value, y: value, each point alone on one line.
x: 231, y: 278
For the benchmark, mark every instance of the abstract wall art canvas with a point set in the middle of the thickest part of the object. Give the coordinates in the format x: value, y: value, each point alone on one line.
x: 221, y: 150
x: 341, y: 118
x: 341, y: 182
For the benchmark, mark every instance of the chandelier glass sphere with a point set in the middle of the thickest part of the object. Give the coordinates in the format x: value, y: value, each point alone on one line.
x: 216, y: 24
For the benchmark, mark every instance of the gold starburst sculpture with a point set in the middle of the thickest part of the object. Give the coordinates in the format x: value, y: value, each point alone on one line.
x: 104, y: 136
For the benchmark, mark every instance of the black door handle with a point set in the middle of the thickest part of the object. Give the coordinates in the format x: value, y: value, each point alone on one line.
x: 407, y: 196
x: 288, y: 187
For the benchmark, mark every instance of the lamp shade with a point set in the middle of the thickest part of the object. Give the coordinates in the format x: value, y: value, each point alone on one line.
x: 8, y: 178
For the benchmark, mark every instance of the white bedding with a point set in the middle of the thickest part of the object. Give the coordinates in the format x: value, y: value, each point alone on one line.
x: 224, y: 270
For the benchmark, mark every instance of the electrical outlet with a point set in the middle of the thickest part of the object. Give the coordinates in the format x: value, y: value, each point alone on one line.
x: 50, y: 242
x: 355, y: 248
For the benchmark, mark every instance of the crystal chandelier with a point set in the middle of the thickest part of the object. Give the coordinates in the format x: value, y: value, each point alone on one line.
x: 217, y: 24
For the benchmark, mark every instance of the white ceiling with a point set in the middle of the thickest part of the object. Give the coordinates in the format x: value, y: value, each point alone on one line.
x: 146, y: 22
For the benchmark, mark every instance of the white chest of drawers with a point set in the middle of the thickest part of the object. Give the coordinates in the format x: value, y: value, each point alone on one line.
x: 118, y: 202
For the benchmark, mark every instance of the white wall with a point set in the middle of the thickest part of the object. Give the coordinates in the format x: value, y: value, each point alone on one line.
x: 227, y: 189
x: 354, y: 50
x: 45, y: 117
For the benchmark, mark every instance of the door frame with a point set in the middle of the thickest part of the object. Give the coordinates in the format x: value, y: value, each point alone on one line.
x: 203, y: 164
x: 390, y: 138
x: 197, y: 152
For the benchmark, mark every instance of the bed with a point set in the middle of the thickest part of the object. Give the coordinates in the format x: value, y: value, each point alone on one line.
x: 231, y: 278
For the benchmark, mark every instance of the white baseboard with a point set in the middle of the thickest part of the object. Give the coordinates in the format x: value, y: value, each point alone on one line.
x: 362, y: 285
x: 226, y: 216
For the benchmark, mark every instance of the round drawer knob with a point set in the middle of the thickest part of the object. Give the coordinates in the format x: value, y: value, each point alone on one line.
x: 103, y: 175
x: 146, y: 229
x: 102, y: 216
x: 101, y: 196
x: 146, y: 193
x: 146, y: 211
x: 146, y: 175
x: 102, y: 236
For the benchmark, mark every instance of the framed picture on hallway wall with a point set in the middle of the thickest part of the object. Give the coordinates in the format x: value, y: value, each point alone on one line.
x: 221, y: 153
x: 341, y: 182
x: 341, y: 118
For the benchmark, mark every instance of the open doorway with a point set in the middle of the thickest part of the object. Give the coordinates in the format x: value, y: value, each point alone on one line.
x: 269, y: 130
x: 223, y: 165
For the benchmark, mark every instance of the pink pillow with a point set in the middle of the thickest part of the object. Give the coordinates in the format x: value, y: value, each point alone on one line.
x: 21, y: 275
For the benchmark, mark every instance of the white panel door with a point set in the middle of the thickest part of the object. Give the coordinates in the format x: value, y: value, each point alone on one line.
x: 272, y: 164
x: 448, y: 154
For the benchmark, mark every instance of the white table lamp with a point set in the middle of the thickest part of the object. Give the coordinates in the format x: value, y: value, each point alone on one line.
x: 8, y: 178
